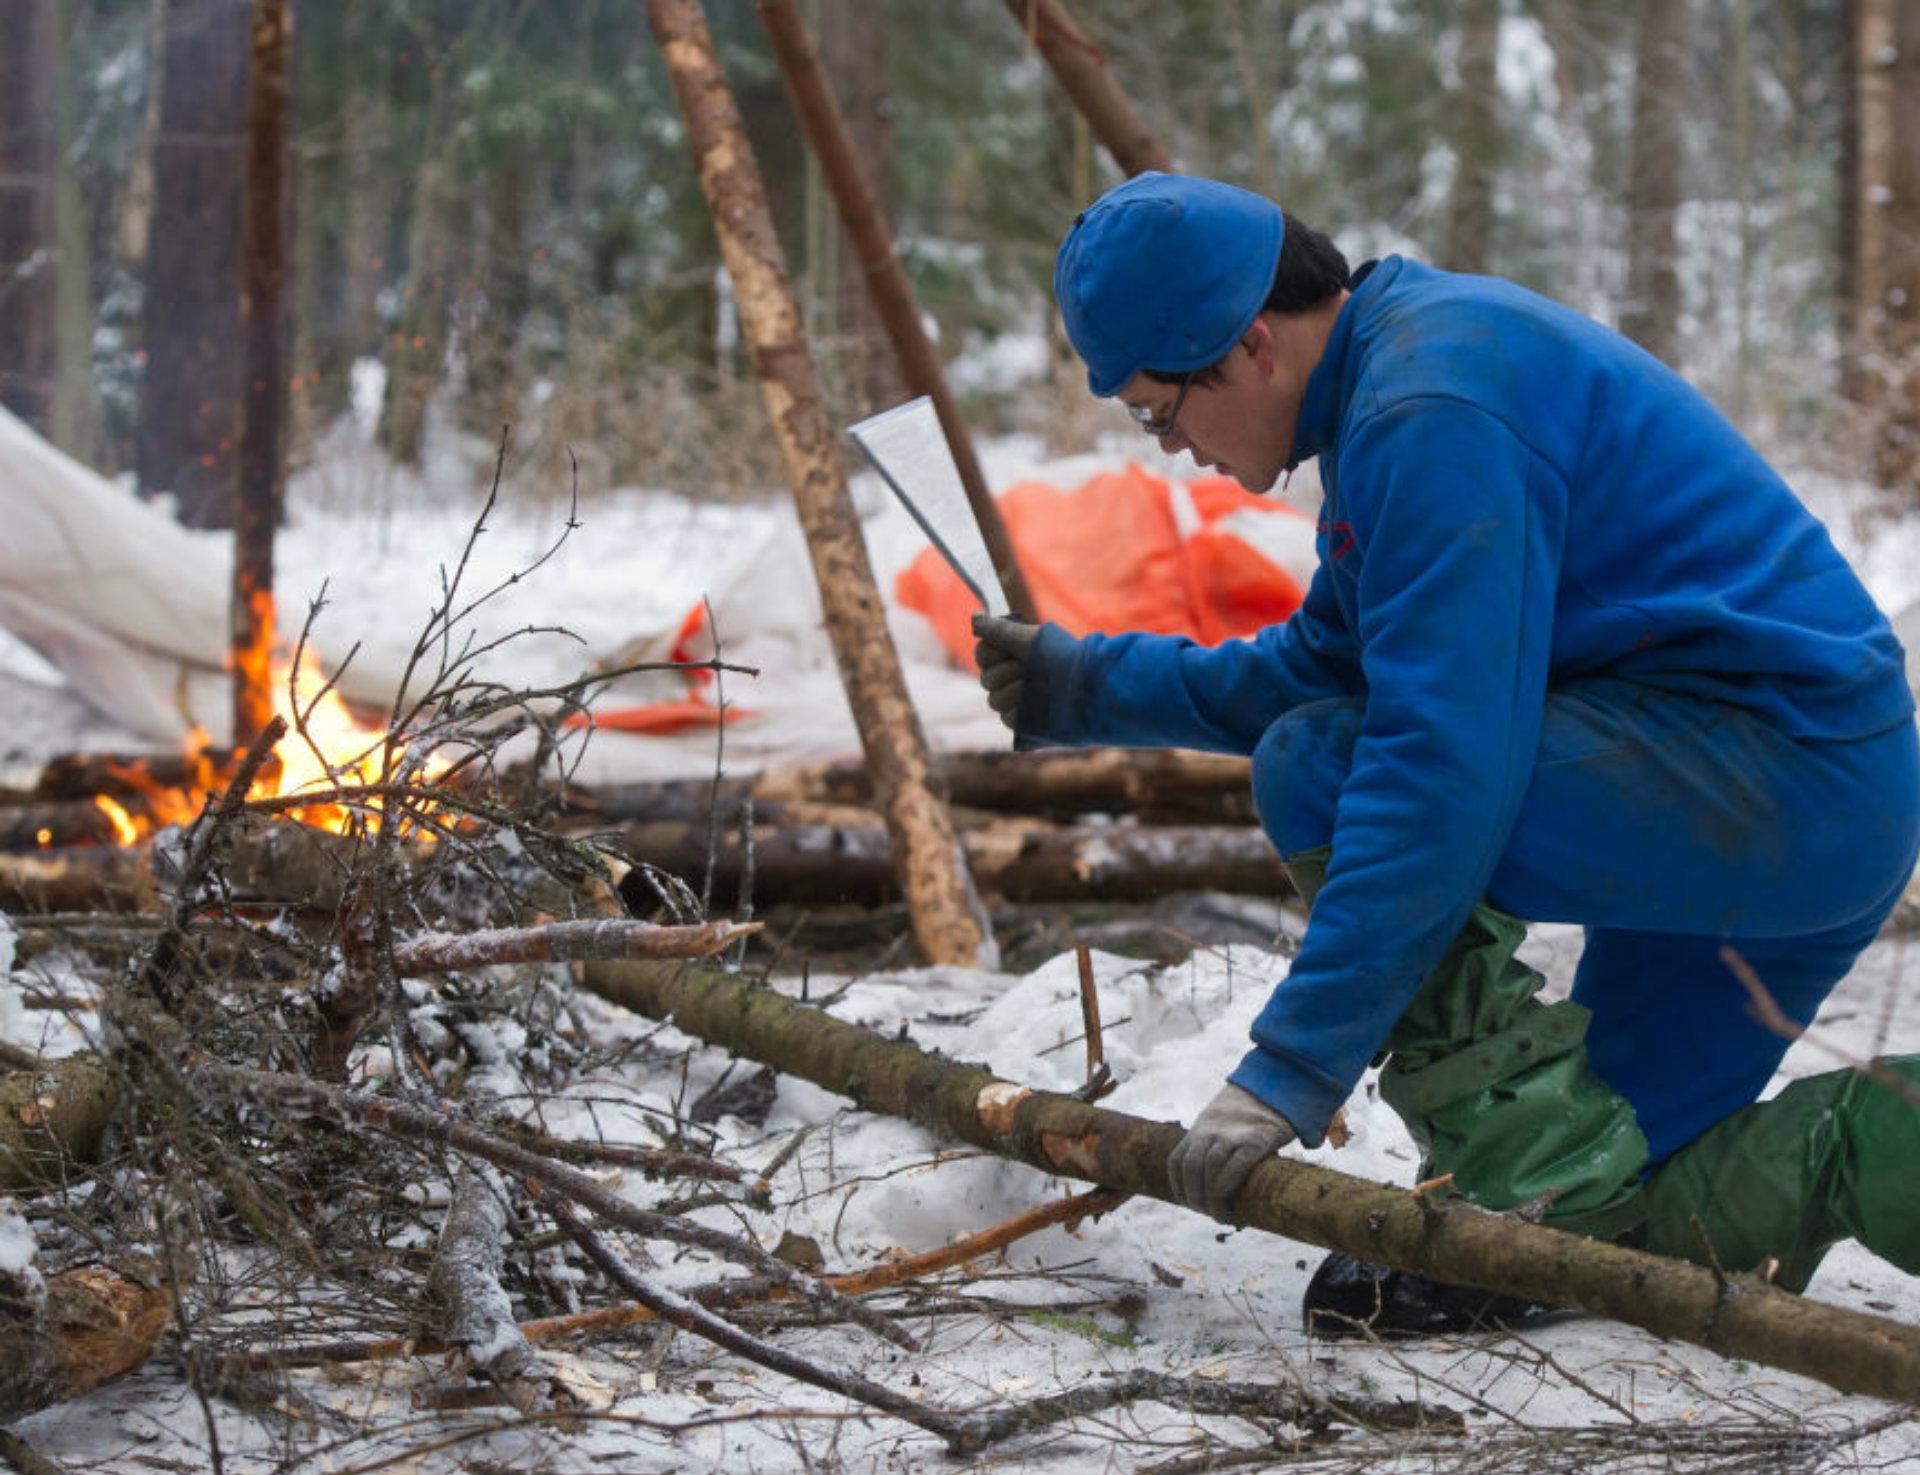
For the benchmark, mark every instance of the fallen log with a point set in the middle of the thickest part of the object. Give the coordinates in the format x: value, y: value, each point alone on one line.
x: 816, y: 865
x: 265, y: 862
x: 1735, y: 1315
x: 1155, y: 786
x: 66, y: 1335
x: 83, y: 879
x: 117, y: 775
x: 66, y: 822
x: 52, y: 1120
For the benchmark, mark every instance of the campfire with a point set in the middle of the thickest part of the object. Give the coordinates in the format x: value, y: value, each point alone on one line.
x: 122, y: 801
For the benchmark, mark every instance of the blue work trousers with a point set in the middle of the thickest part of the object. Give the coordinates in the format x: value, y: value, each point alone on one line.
x: 1669, y: 827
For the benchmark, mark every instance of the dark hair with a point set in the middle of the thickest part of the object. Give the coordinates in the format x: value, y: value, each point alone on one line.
x: 1310, y: 271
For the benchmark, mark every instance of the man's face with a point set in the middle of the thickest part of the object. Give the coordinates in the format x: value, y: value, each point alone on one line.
x: 1240, y: 423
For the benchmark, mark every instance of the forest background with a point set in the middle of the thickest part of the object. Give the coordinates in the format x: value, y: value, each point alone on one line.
x: 495, y: 215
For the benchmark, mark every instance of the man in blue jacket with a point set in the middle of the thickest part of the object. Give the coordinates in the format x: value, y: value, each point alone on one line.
x: 1573, y: 652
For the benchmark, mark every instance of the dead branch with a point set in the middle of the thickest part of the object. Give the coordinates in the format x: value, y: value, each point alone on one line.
x: 734, y: 1291
x: 477, y: 1316
x: 302, y: 1097
x: 1772, y: 1017
x: 1736, y: 1317
x: 203, y: 836
x: 572, y: 942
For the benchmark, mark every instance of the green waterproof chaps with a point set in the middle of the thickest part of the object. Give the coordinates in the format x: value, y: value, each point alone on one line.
x: 1495, y: 1088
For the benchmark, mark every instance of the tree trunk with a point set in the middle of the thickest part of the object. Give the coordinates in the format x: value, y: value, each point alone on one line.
x: 263, y: 282
x: 1476, y: 141
x: 75, y: 421
x: 367, y: 133
x: 493, y: 372
x: 1651, y: 314
x: 417, y: 362
x: 949, y: 922
x: 1735, y: 1316
x: 863, y: 214
x: 1897, y: 452
x: 853, y: 54
x: 1083, y: 72
x: 29, y: 69
x: 190, y: 400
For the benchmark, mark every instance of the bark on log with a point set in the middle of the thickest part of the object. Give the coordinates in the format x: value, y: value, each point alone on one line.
x: 93, y: 878
x: 67, y: 1335
x: 1737, y: 1316
x: 893, y: 298
x: 52, y: 1121
x: 1155, y: 786
x: 949, y: 922
x: 830, y: 864
x: 1083, y: 74
x: 33, y: 827
x: 82, y: 775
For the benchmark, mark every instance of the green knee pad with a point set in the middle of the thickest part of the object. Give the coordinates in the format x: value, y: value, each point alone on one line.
x: 1495, y: 1088
x: 1833, y: 1157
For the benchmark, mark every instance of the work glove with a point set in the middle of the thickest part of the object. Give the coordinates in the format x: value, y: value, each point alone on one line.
x: 1226, y: 1142
x: 1001, y: 647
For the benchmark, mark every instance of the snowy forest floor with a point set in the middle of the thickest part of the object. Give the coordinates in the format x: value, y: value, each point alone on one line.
x: 1148, y: 1286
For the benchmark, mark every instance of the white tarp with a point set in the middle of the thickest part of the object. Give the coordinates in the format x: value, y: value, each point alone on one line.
x: 127, y: 604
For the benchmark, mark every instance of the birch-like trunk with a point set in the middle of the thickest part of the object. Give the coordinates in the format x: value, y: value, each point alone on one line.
x: 949, y: 922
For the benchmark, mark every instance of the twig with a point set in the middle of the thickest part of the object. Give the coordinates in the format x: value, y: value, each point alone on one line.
x: 308, y: 1097
x: 574, y: 942
x: 1771, y: 1016
x: 1090, y: 1012
x: 734, y: 1291
x: 155, y: 975
x: 691, y: 1316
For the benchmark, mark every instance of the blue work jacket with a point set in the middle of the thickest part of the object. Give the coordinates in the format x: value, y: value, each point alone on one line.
x: 1514, y: 497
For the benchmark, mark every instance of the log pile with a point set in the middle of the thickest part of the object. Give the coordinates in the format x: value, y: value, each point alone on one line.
x: 1095, y: 825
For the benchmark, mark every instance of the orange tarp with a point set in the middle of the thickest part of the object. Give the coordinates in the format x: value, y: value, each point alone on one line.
x: 1112, y: 555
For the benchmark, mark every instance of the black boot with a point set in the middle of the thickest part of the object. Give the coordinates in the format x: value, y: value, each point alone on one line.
x: 1350, y: 1298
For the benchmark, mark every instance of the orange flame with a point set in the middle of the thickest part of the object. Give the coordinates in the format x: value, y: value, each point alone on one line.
x: 327, y: 748
x: 124, y: 829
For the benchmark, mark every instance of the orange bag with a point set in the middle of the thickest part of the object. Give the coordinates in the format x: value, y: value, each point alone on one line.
x: 1112, y: 555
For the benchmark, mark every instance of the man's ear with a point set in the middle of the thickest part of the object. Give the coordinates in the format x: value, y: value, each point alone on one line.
x: 1258, y: 341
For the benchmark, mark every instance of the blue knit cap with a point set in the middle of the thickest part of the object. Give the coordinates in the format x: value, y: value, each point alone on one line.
x: 1165, y: 272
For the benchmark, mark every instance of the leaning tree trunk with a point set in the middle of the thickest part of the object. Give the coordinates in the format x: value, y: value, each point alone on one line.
x: 860, y: 199
x: 1651, y: 316
x: 853, y: 54
x: 1084, y: 75
x: 1736, y: 1316
x: 948, y: 920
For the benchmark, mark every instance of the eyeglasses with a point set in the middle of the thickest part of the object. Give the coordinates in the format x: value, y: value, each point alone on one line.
x: 1161, y: 429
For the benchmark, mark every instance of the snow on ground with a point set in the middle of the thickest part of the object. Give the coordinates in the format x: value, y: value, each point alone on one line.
x: 1149, y: 1286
